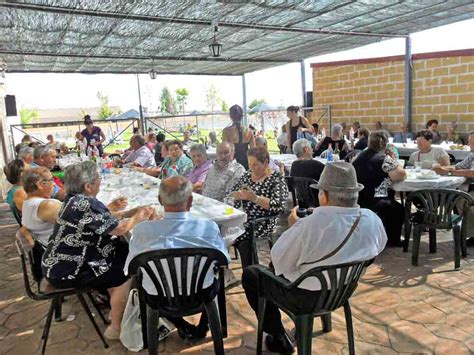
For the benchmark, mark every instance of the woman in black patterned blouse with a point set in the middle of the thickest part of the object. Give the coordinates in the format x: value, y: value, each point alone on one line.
x: 261, y: 192
x: 83, y: 250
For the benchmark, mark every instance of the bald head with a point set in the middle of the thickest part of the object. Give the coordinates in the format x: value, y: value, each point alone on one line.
x: 176, y: 194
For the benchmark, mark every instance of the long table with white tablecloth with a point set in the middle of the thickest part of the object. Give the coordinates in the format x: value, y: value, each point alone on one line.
x: 141, y: 189
x: 416, y: 181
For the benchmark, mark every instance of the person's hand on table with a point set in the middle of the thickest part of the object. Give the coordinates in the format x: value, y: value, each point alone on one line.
x: 143, y: 213
x: 118, y: 204
x: 293, y: 217
x: 443, y: 170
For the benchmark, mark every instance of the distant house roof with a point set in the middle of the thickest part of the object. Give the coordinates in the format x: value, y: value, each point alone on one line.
x: 125, y: 115
x: 51, y: 115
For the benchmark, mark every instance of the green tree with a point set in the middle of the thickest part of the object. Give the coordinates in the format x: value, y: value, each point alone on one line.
x: 181, y: 99
x: 224, y: 106
x: 29, y: 115
x: 212, y: 98
x: 256, y: 102
x: 167, y: 101
x: 104, y: 109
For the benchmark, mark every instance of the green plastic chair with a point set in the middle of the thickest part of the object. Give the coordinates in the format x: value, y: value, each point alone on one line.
x: 435, y: 210
x: 338, y: 283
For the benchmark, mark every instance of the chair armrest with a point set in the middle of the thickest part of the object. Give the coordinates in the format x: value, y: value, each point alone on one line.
x: 266, y: 275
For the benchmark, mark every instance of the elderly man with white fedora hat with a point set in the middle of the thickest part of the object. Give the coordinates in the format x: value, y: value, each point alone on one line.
x: 337, y: 232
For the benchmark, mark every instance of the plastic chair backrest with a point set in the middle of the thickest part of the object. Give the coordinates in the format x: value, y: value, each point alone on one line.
x: 177, y: 287
x: 352, y: 155
x: 17, y: 214
x: 24, y: 245
x: 435, y: 206
x: 337, y: 284
x: 305, y: 195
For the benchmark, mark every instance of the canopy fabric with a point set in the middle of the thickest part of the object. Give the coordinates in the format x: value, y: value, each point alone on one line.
x: 92, y: 36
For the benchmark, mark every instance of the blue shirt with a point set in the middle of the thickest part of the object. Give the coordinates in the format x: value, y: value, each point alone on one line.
x: 175, y: 231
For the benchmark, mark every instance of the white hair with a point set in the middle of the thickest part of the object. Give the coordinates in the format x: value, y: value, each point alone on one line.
x: 336, y: 130
x: 342, y: 198
x: 78, y: 175
x: 25, y: 151
x: 200, y: 148
x: 299, y: 145
x: 176, y: 196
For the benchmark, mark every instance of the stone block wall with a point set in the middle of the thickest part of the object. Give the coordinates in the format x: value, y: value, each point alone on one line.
x: 370, y: 90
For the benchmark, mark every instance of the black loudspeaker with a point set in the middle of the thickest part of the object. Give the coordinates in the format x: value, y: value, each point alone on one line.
x: 10, y: 105
x: 309, y: 99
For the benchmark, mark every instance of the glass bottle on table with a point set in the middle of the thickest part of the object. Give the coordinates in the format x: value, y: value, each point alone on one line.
x: 337, y: 152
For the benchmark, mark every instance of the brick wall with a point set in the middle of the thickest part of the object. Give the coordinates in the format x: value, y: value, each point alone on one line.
x: 370, y: 90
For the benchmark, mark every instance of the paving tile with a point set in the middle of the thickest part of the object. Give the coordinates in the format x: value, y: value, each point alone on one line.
x: 411, y: 337
x: 444, y: 346
x: 397, y: 308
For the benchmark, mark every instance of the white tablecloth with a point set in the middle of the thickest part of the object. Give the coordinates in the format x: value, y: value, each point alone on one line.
x: 405, y: 150
x: 288, y: 159
x: 413, y: 182
x: 70, y: 159
x: 131, y: 185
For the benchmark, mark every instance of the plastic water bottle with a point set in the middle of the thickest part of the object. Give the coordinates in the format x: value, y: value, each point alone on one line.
x: 330, y: 154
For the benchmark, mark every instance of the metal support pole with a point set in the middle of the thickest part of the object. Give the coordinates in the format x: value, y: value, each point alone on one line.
x: 244, y: 99
x: 408, y: 82
x: 303, y: 83
x: 140, y: 107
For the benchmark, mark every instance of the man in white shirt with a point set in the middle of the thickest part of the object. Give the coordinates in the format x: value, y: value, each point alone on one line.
x: 177, y: 230
x: 428, y: 155
x: 141, y: 155
x: 313, y: 238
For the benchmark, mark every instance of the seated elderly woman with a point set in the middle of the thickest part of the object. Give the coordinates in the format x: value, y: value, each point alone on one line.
x: 176, y: 163
x: 201, y: 166
x: 83, y: 250
x: 426, y: 154
x: 16, y: 195
x: 376, y: 169
x: 26, y: 154
x: 336, y: 140
x: 261, y: 192
x: 39, y: 209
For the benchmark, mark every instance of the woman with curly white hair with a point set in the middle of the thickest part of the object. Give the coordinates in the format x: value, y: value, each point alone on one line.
x: 83, y: 250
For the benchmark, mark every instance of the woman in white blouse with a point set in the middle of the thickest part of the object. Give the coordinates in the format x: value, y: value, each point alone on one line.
x: 39, y: 211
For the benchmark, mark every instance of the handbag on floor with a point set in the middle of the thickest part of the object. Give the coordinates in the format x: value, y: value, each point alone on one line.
x: 131, y: 326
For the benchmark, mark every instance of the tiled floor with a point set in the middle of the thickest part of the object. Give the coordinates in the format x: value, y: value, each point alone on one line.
x: 397, y: 308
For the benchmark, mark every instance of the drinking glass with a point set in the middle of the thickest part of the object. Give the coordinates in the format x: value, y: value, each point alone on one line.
x: 418, y: 165
x: 229, y: 201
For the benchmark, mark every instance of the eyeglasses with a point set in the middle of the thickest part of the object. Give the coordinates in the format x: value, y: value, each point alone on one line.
x: 47, y: 180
